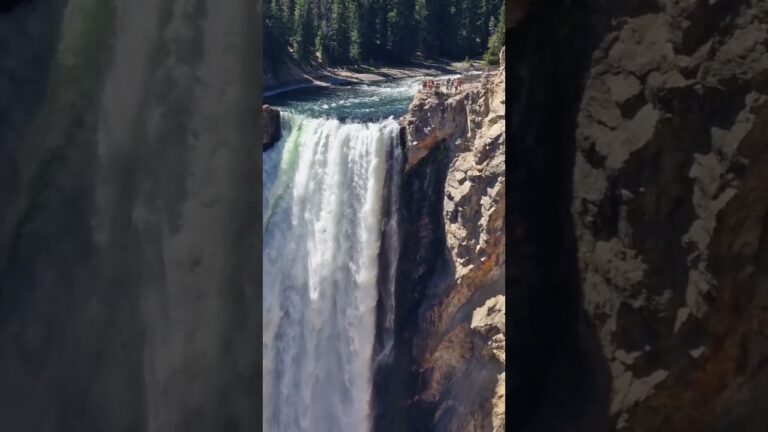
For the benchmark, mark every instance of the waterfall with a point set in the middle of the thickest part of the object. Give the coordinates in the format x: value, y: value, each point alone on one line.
x: 323, y: 203
x: 392, y: 248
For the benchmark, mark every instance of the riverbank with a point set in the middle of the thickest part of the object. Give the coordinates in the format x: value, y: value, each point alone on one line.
x: 292, y: 77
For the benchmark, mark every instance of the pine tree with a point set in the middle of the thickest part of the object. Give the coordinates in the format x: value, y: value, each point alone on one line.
x: 275, y: 33
x: 448, y: 28
x: 340, y: 37
x: 355, y: 38
x: 496, y: 41
x: 366, y: 30
x: 473, y: 20
x: 304, y: 32
x: 492, y: 8
x: 343, y: 31
x: 289, y: 9
x: 322, y: 45
x: 401, y: 28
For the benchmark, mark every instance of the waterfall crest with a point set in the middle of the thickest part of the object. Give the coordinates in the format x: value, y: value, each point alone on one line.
x: 323, y: 195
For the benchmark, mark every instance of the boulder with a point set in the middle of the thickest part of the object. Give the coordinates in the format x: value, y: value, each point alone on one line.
x: 270, y: 122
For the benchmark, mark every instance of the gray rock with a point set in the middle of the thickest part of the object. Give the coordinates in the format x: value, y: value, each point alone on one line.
x: 669, y: 210
x: 270, y: 123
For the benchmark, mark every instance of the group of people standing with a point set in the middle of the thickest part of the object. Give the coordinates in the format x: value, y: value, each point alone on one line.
x: 454, y: 84
x: 451, y: 85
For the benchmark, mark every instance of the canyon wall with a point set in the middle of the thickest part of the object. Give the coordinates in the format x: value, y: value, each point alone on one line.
x: 670, y: 206
x: 636, y: 207
x: 465, y: 215
x: 636, y: 214
x: 448, y: 368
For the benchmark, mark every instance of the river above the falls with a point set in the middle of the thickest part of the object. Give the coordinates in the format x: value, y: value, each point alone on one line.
x: 357, y: 102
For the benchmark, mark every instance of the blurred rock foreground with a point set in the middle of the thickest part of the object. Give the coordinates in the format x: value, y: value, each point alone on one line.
x: 128, y: 198
x: 670, y: 206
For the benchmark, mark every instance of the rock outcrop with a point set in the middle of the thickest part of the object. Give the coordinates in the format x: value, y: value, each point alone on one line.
x: 432, y: 119
x: 671, y: 210
x: 455, y: 147
x: 270, y: 127
x: 488, y: 320
x: 473, y: 217
x: 637, y: 212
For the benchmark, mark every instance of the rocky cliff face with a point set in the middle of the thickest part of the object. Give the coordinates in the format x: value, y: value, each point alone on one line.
x: 637, y: 138
x: 450, y: 282
x: 670, y: 205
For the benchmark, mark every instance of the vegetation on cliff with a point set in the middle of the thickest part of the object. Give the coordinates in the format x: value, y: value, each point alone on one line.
x: 496, y: 42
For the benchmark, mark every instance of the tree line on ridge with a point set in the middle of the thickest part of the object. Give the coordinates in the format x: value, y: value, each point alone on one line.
x: 345, y: 32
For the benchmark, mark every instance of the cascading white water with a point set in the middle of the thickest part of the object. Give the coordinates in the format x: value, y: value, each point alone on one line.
x: 392, y: 247
x: 323, y: 189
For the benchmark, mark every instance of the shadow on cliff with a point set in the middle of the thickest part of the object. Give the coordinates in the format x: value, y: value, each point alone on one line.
x: 557, y: 376
x: 422, y: 258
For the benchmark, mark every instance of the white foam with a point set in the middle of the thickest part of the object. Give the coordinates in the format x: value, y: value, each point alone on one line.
x: 322, y: 238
